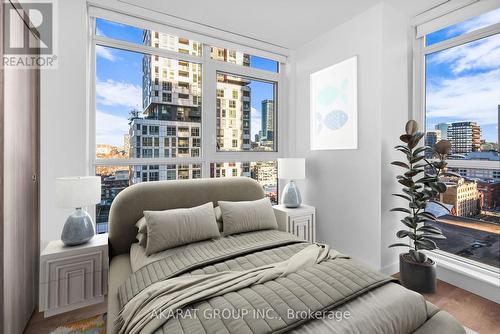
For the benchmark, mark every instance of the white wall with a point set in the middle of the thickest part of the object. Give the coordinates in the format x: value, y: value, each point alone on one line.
x: 346, y: 186
x: 396, y: 89
x: 63, y: 115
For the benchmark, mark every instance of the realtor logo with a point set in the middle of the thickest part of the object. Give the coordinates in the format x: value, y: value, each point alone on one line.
x: 29, y: 34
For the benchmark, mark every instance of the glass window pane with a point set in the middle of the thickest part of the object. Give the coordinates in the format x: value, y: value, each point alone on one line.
x: 246, y: 114
x: 146, y: 105
x: 264, y: 172
x: 462, y: 106
x: 464, y: 27
x: 243, y: 59
x: 116, y: 178
x: 151, y: 38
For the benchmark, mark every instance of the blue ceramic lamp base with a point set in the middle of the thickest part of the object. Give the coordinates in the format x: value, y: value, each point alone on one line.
x: 291, y: 195
x: 78, y: 228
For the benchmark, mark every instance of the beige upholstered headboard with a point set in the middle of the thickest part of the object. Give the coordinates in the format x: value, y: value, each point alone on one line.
x: 128, y: 206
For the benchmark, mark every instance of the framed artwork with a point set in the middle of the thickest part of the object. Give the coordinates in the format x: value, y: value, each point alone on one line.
x: 334, y: 107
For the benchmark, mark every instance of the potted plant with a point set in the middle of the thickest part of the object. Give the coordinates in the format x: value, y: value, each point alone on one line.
x: 421, y: 185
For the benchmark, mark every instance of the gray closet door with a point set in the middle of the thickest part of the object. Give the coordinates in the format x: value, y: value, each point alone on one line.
x: 19, y: 214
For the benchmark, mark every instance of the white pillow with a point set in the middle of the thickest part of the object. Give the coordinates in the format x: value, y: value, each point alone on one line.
x: 172, y: 228
x: 245, y: 216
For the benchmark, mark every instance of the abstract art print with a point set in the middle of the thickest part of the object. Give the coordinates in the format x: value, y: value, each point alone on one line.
x: 334, y: 107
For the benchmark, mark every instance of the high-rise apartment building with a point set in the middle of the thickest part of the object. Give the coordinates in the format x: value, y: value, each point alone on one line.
x: 443, y: 129
x: 431, y: 138
x: 233, y: 112
x: 267, y: 119
x: 465, y: 137
x: 171, y: 126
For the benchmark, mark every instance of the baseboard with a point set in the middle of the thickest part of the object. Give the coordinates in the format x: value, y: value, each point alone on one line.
x: 391, y: 269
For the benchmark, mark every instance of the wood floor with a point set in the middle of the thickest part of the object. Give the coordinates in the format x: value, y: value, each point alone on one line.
x: 40, y: 325
x: 477, y: 313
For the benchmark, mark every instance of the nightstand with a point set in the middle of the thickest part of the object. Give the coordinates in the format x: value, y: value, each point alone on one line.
x: 300, y: 221
x: 73, y: 277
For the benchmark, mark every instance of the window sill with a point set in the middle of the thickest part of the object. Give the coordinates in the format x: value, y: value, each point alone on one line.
x: 476, y: 279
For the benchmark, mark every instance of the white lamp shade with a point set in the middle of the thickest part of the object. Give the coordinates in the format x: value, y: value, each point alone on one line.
x: 292, y: 168
x: 78, y: 191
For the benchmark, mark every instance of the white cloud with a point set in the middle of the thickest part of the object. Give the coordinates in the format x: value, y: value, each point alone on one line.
x: 478, y: 55
x: 115, y: 93
x: 477, y: 22
x: 472, y: 97
x: 256, y: 118
x: 105, y: 53
x: 110, y: 129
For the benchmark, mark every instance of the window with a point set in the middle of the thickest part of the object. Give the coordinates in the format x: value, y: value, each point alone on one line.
x: 127, y: 33
x: 243, y: 59
x: 148, y: 104
x: 460, y: 67
x: 255, y: 136
x: 264, y: 172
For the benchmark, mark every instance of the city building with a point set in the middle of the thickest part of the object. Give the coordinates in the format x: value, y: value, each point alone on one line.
x: 477, y: 173
x: 443, y: 129
x: 491, y: 193
x: 463, y: 195
x: 465, y: 137
x: 267, y: 119
x: 431, y: 138
x: 233, y: 112
x: 113, y: 181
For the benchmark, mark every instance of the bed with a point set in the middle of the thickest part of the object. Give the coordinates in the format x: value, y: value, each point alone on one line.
x: 335, y: 295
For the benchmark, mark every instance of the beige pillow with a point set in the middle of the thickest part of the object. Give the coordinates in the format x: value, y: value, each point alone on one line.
x: 172, y: 228
x: 245, y: 216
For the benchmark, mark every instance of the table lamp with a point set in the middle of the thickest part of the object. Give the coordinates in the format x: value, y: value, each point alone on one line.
x: 291, y: 169
x: 78, y: 192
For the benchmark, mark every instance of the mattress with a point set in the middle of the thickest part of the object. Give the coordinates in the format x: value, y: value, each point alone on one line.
x: 389, y: 308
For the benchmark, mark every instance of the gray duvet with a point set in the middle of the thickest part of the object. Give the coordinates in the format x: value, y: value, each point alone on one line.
x: 282, y: 302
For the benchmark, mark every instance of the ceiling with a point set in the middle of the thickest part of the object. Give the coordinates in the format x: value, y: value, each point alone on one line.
x: 286, y: 23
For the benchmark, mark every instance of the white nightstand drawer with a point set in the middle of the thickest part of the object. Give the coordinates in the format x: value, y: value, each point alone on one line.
x: 299, y: 221
x: 301, y: 226
x: 73, y: 277
x: 74, y: 287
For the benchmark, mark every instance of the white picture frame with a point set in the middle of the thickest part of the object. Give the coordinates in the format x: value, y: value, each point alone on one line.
x: 334, y: 107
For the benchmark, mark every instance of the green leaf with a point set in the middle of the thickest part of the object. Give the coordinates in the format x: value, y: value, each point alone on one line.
x: 411, y: 127
x: 441, y: 187
x: 429, y: 229
x: 427, y: 215
x: 416, y: 159
x: 403, y: 149
x: 408, y: 223
x: 405, y: 210
x: 433, y: 236
x: 406, y: 182
x: 405, y: 138
x: 420, y: 165
x: 400, y: 164
x: 421, y: 149
x: 402, y: 233
x: 399, y: 244
x: 413, y: 172
x: 402, y: 196
x: 415, y: 139
x: 425, y: 244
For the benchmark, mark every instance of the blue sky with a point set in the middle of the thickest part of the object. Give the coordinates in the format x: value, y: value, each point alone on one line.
x: 119, y: 84
x: 463, y: 82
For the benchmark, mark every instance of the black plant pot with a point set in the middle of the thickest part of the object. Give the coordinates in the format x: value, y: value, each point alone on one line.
x: 420, y: 277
